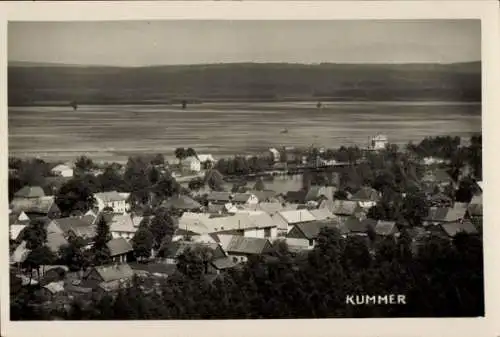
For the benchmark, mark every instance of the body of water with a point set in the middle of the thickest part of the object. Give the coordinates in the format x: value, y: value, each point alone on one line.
x: 112, y: 133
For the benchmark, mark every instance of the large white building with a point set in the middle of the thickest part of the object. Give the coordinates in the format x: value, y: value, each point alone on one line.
x: 114, y: 200
x: 63, y: 170
x: 192, y: 164
x: 379, y: 142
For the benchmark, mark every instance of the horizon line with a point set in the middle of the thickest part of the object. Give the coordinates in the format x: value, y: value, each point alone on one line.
x: 38, y: 63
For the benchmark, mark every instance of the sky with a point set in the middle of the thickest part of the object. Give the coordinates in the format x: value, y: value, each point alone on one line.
x: 143, y: 43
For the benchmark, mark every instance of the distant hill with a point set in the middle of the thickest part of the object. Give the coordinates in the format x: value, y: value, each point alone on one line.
x: 31, y: 83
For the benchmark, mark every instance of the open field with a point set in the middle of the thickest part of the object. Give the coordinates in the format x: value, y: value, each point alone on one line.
x: 112, y: 132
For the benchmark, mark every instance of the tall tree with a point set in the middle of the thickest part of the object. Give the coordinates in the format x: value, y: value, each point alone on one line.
x: 143, y: 240
x: 259, y: 185
x: 75, y: 195
x: 162, y: 227
x: 100, y: 250
x: 83, y: 165
x: 38, y: 257
x: 136, y: 177
x: 180, y: 154
x: 193, y: 261
x: 35, y: 234
x: 73, y: 254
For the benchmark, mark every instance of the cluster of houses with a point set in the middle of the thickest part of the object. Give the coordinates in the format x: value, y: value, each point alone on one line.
x: 234, y: 225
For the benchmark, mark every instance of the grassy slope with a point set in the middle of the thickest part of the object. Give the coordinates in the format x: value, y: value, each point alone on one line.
x: 29, y: 83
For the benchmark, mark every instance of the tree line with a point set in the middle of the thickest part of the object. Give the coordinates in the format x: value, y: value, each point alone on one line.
x: 442, y: 279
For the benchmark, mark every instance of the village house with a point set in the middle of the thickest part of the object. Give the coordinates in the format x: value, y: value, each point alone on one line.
x: 438, y: 178
x: 322, y: 214
x: 438, y: 216
x: 159, y: 270
x: 379, y: 142
x: 220, y: 265
x: 258, y: 224
x: 119, y: 250
x: 309, y: 231
x: 37, y: 208
x: 449, y: 230
x: 16, y: 231
x: 316, y: 192
x: 62, y: 170
x: 182, y: 203
x: 72, y: 227
x: 30, y: 192
x: 347, y: 208
x: 53, y: 291
x: 475, y: 211
x: 244, y: 199
x: 111, y: 200
x: 124, y: 226
x: 191, y: 164
x: 108, y: 278
x: 386, y: 229
x: 173, y: 250
x: 207, y: 161
x: 285, y: 220
x: 240, y: 248
x: 55, y: 241
x: 219, y: 198
x: 264, y: 195
x: 18, y: 218
x: 356, y: 227
x: 366, y: 197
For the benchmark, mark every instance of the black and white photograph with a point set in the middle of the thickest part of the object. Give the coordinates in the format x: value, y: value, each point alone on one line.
x: 212, y: 169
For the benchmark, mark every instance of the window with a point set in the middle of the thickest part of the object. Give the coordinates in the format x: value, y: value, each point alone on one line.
x: 311, y: 242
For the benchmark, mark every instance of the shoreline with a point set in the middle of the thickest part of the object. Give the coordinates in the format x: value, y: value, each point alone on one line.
x: 224, y: 101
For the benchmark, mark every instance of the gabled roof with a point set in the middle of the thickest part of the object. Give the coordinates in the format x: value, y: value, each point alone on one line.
x: 297, y: 245
x: 125, y: 223
x: 154, y: 268
x: 77, y: 225
x: 475, y: 209
x: 111, y: 196
x: 55, y: 241
x: 205, y: 157
x: 241, y: 197
x: 322, y: 213
x: 247, y: 245
x: 114, y: 272
x: 224, y: 263
x: 41, y: 205
x: 274, y: 207
x: 16, y: 230
x: 20, y: 253
x: 317, y: 191
x: 118, y: 246
x: 312, y: 229
x: 354, y: 225
x: 174, y: 249
x: 366, y: 194
x: 61, y: 167
x: 446, y: 214
x: 453, y: 228
x: 264, y: 195
x: 296, y: 216
x: 239, y: 221
x: 219, y: 196
x: 477, y: 200
x: 55, y: 287
x: 385, y: 227
x: 345, y: 207
x: 30, y: 192
x: 181, y: 202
